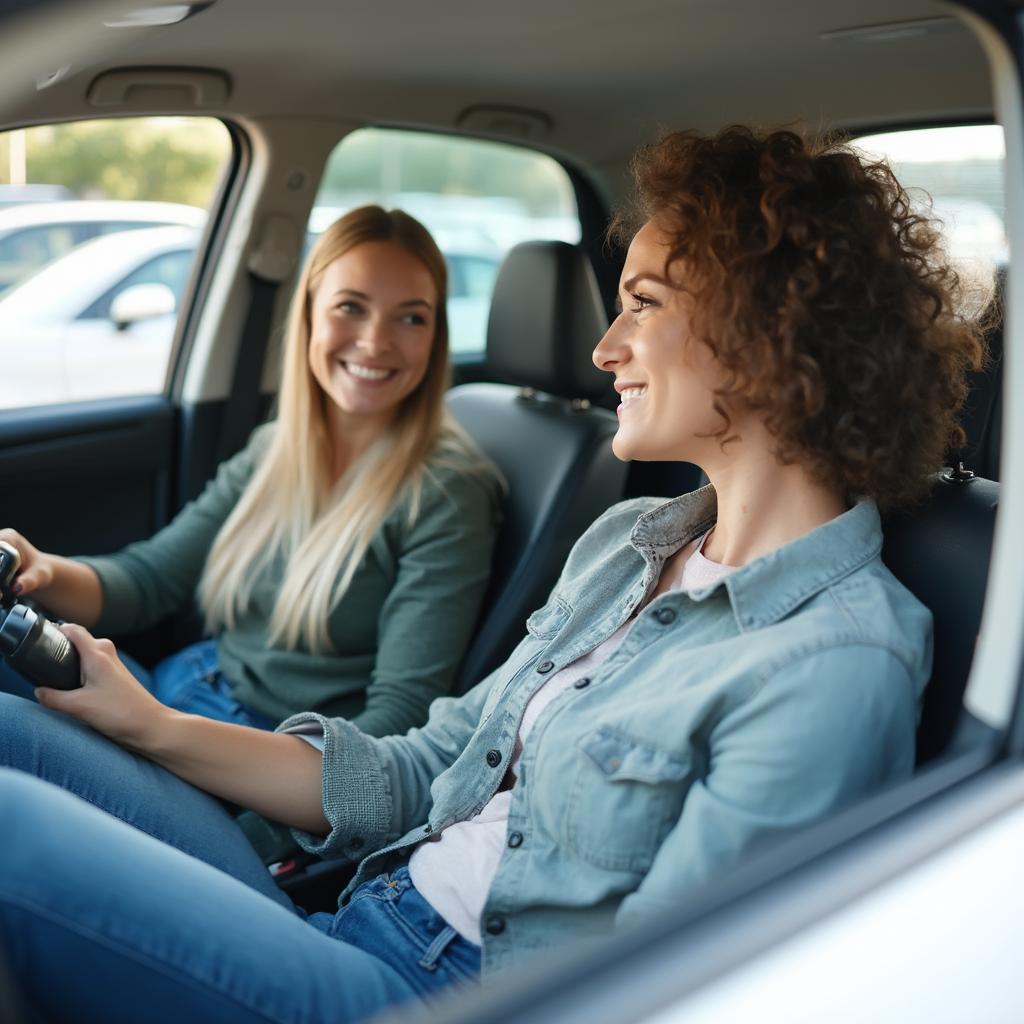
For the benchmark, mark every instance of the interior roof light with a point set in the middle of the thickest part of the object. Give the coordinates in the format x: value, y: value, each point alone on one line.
x: 155, y: 15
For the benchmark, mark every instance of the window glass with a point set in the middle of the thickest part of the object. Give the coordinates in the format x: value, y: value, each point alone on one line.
x: 956, y: 173
x: 100, y: 205
x: 477, y: 198
x: 170, y: 270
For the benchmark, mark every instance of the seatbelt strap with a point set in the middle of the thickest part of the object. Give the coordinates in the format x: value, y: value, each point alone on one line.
x: 241, y: 411
x: 270, y: 264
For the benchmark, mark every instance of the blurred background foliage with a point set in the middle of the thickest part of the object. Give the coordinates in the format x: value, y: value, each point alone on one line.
x: 174, y: 159
x: 180, y: 159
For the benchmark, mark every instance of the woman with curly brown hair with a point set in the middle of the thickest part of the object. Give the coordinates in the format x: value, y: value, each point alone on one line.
x: 710, y: 673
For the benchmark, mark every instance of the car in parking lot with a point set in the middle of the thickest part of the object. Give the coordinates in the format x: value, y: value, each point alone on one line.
x: 904, y: 908
x: 111, y: 302
x: 33, y: 234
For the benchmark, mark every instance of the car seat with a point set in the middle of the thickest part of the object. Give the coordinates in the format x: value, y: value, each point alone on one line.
x: 553, y: 446
x: 540, y: 428
x: 941, y: 552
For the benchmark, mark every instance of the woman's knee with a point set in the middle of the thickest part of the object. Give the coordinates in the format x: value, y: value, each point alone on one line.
x: 23, y: 799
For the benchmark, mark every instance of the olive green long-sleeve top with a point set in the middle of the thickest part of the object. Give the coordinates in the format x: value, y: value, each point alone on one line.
x: 399, y: 631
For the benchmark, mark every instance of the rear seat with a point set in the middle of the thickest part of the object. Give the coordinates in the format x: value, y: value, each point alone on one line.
x: 941, y: 553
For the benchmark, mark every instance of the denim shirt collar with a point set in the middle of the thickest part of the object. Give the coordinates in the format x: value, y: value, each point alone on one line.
x: 770, y: 587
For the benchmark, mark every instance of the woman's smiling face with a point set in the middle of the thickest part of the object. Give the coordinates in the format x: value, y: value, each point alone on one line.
x: 665, y: 379
x: 373, y: 316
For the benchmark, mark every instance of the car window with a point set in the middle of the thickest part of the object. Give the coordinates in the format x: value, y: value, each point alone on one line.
x: 131, y: 195
x: 477, y: 198
x: 25, y: 249
x: 956, y: 173
x: 170, y: 269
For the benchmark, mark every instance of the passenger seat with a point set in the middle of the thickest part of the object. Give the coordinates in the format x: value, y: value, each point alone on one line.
x: 540, y: 428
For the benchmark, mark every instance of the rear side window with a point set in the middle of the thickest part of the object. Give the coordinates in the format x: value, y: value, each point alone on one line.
x: 956, y: 172
x: 477, y: 198
x: 103, y: 206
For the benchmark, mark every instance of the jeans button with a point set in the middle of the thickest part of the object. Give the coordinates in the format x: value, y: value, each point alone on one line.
x: 493, y: 758
x: 545, y: 666
x: 495, y: 924
x: 515, y: 839
x: 665, y: 616
x: 582, y: 683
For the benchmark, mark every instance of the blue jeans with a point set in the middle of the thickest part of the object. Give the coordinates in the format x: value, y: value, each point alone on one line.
x: 189, y: 680
x: 168, y: 914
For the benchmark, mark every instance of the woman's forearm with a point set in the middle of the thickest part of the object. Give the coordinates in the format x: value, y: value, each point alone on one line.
x: 275, y: 774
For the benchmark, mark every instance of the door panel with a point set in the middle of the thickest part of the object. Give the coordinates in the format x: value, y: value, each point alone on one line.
x: 89, y: 477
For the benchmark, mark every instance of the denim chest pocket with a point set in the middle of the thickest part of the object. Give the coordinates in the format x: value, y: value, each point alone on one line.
x: 626, y: 796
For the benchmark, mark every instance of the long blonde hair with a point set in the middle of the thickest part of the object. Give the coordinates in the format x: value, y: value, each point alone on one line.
x: 292, y: 508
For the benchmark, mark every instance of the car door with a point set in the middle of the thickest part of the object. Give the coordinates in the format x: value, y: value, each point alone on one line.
x: 88, y: 466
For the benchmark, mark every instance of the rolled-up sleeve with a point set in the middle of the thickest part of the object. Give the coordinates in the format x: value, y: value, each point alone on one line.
x: 375, y: 789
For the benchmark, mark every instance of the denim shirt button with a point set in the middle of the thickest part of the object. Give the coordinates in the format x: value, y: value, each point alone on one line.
x: 493, y: 758
x: 427, y: 829
x: 582, y: 683
x: 356, y: 843
x: 665, y: 616
x: 494, y: 925
x: 515, y: 839
x: 545, y: 666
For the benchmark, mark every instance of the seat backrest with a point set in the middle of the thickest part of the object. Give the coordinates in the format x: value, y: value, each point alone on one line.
x: 940, y: 552
x: 540, y: 429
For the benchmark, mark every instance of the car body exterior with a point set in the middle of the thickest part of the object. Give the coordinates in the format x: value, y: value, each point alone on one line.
x: 35, y: 233
x: 15, y: 195
x: 57, y: 335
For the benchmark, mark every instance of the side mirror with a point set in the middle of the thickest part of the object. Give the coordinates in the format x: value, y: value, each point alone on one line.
x: 141, y: 302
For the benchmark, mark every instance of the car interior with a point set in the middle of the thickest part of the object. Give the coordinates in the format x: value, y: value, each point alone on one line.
x: 583, y: 83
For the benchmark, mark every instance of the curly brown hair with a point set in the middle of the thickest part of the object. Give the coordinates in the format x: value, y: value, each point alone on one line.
x: 825, y: 296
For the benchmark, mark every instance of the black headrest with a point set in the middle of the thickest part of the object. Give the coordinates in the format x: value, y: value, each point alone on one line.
x: 940, y: 552
x: 546, y: 317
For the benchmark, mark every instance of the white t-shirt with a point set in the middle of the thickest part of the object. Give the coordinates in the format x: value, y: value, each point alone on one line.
x: 454, y: 871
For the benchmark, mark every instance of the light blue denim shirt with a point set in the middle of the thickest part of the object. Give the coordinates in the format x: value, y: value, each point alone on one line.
x: 727, y: 718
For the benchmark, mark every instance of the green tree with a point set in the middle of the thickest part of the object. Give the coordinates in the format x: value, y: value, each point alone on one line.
x: 175, y: 159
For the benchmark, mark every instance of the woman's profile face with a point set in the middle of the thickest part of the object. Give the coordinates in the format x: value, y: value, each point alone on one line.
x: 373, y: 316
x: 664, y: 378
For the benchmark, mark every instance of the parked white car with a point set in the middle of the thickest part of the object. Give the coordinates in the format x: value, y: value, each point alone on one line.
x: 31, y: 235
x: 99, y: 321
x: 96, y: 322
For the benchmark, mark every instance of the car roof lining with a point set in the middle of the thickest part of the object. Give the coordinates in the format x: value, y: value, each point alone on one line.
x: 603, y: 74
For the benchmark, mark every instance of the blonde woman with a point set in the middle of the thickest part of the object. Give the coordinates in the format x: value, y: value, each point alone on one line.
x: 341, y: 557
